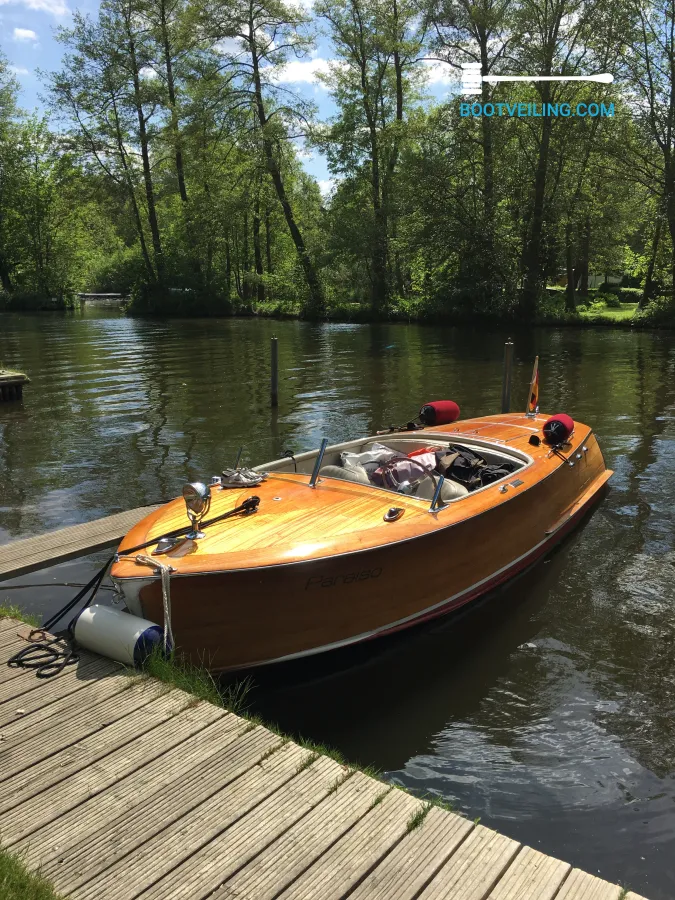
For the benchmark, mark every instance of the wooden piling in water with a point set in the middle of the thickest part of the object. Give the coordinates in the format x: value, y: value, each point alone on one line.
x: 11, y: 385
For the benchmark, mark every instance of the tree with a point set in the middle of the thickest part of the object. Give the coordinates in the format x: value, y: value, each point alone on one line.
x: 377, y: 45
x: 8, y: 92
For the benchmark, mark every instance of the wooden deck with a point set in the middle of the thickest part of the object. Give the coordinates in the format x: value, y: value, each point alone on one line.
x: 118, y: 787
x: 30, y: 554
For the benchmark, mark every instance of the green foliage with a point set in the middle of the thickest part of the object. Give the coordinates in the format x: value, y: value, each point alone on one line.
x: 18, y: 883
x: 659, y: 312
x: 172, y: 172
x: 11, y: 611
x: 196, y: 680
x: 610, y: 300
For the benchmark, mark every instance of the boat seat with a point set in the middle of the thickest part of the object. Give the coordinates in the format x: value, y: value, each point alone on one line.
x: 352, y: 473
x: 450, y: 491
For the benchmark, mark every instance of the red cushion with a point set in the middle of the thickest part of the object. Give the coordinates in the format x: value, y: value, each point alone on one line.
x: 558, y: 429
x: 439, y: 412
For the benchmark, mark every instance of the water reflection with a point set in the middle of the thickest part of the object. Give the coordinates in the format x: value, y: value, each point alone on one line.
x: 550, y: 711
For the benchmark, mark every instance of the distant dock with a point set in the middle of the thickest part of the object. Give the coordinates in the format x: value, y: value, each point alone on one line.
x: 11, y: 384
x: 102, y: 298
x: 116, y: 786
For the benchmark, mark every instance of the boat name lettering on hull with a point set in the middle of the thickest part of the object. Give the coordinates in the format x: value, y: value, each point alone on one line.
x: 333, y: 580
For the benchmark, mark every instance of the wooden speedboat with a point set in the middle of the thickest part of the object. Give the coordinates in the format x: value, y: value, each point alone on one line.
x: 319, y: 567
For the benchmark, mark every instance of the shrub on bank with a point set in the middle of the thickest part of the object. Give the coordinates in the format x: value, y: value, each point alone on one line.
x: 152, y: 300
x: 33, y: 301
x: 659, y: 312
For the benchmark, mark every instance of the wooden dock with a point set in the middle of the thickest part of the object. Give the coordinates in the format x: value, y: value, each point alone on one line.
x: 117, y: 787
x: 33, y: 553
x: 11, y: 384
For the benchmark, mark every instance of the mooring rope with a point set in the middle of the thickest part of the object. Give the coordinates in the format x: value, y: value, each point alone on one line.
x: 165, y: 573
x: 49, y: 656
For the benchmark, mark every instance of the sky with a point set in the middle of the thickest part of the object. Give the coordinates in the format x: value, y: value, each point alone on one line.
x: 27, y: 39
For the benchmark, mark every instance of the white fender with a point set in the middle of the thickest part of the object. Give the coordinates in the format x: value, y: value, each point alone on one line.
x: 116, y: 634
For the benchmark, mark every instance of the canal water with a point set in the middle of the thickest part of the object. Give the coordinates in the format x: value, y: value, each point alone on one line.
x: 548, y: 712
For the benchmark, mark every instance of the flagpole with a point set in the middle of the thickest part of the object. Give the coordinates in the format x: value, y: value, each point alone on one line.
x: 532, y: 407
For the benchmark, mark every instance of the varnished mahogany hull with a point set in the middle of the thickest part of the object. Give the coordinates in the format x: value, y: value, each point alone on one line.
x: 260, y: 614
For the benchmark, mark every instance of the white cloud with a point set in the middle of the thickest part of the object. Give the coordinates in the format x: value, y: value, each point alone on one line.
x: 19, y: 70
x: 148, y: 72
x: 326, y: 186
x: 23, y: 35
x: 438, y: 72
x: 302, y: 71
x: 56, y: 8
x: 229, y: 46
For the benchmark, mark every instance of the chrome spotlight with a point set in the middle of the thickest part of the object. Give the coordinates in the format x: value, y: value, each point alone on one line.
x: 197, y: 498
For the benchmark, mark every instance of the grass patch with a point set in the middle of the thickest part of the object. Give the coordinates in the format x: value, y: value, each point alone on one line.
x: 311, y: 759
x: 600, y: 312
x: 339, y: 782
x: 10, y: 611
x: 380, y: 797
x: 17, y: 883
x: 418, y: 817
x: 196, y: 680
x: 322, y: 750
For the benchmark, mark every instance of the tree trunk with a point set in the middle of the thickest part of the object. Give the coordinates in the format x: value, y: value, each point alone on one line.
x: 257, y: 252
x: 570, y: 298
x: 245, y: 261
x: 228, y: 269
x: 268, y: 241
x: 649, y: 278
x: 533, y: 269
x: 5, y: 278
x: 145, y: 157
x: 132, y: 195
x: 317, y: 300
x: 171, y: 89
x: 584, y: 262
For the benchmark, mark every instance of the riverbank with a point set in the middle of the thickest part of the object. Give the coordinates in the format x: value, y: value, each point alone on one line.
x: 605, y: 310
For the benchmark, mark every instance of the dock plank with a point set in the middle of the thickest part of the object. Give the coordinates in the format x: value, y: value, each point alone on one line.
x: 118, y: 838
x: 65, y: 828
x: 531, y: 876
x: 30, y: 554
x: 362, y: 848
x: 582, y: 886
x: 416, y: 859
x: 85, y: 753
x: 203, y: 871
x: 18, y: 753
x: 296, y: 850
x: 58, y: 796
x: 41, y: 699
x: 181, y: 842
x: 474, y: 869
